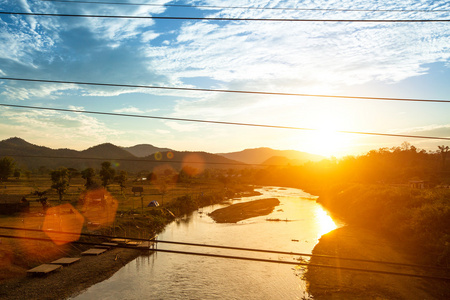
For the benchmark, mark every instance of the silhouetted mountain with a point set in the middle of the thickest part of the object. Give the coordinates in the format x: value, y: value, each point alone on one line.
x: 107, y: 150
x: 282, y: 161
x: 261, y: 155
x: 144, y: 150
x: 197, y: 160
x: 29, y: 156
x: 33, y: 157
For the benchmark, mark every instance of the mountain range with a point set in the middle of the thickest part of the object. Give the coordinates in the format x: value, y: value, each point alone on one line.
x: 142, y: 157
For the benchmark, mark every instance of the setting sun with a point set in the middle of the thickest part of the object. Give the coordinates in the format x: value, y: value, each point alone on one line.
x: 325, y: 141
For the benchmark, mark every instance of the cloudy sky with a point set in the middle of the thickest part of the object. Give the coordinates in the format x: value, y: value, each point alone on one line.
x: 400, y: 60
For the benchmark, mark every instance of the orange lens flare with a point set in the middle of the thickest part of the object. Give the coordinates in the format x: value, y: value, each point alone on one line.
x: 99, y: 208
x: 63, y: 218
x: 193, y: 164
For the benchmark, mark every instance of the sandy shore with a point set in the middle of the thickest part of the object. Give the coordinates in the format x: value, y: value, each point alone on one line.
x: 363, y: 244
x: 241, y: 211
x: 70, y: 280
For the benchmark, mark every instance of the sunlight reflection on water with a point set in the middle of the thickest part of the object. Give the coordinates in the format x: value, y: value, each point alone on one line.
x: 324, y: 221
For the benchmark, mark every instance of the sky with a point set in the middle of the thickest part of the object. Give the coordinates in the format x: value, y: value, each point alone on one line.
x: 395, y: 60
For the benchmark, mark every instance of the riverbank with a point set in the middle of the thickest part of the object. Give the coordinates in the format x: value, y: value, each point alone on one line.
x: 70, y: 280
x: 17, y: 256
x: 356, y: 242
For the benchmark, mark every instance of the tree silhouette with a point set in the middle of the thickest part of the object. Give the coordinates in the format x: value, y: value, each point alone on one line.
x: 121, y: 179
x: 88, y: 174
x: 107, y: 173
x: 60, y: 179
x: 444, y: 151
x: 6, y: 168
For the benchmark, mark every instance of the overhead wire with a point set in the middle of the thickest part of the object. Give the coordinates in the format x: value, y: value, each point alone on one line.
x: 154, y: 239
x: 221, y: 90
x: 235, y: 257
x: 249, y: 7
x: 225, y: 18
x: 217, y: 122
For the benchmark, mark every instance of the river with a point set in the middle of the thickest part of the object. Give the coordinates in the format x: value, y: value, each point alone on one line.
x: 179, y: 276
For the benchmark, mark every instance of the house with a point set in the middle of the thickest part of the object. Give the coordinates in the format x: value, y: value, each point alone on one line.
x: 419, y: 184
x: 11, y: 204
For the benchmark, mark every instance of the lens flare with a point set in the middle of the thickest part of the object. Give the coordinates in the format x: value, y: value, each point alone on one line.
x: 99, y: 208
x: 158, y: 156
x: 170, y: 155
x: 63, y: 218
x: 193, y: 164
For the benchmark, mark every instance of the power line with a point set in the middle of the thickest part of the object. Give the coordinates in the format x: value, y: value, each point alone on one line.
x: 237, y: 258
x: 218, y: 122
x: 227, y: 19
x: 139, y: 160
x: 222, y: 90
x: 252, y: 8
x: 153, y: 239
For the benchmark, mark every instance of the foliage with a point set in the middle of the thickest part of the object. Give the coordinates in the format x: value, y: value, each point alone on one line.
x: 42, y: 199
x: 420, y: 218
x: 6, y: 168
x: 60, y: 181
x: 121, y: 179
x: 88, y: 174
x: 107, y: 173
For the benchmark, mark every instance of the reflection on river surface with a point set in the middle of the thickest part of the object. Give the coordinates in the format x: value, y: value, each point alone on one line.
x: 178, y: 276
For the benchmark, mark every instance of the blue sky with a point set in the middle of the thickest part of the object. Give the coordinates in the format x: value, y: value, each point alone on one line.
x: 404, y: 60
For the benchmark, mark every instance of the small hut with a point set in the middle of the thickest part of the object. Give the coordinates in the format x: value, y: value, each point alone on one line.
x: 419, y: 184
x: 137, y: 190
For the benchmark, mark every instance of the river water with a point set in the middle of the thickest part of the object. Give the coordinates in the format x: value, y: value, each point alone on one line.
x: 179, y: 276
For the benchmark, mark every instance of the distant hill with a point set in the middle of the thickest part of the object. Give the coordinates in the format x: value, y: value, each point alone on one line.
x: 107, y: 150
x: 261, y: 155
x: 197, y: 160
x: 282, y: 161
x: 32, y: 157
x: 144, y: 150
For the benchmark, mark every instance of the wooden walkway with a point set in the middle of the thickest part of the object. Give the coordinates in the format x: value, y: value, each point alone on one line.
x: 106, y: 245
x: 44, y: 269
x: 97, y: 250
x: 65, y: 261
x: 93, y: 252
x: 146, y: 245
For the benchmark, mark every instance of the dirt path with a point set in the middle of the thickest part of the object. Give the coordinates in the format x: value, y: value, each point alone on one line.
x: 363, y: 244
x: 71, y: 279
x: 241, y: 211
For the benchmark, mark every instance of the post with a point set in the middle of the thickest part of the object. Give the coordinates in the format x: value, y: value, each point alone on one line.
x: 142, y: 204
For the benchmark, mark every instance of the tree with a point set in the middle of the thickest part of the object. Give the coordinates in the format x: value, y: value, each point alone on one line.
x: 107, y: 173
x: 60, y: 179
x: 17, y: 173
x: 73, y: 173
x: 88, y: 174
x: 6, y: 168
x: 42, y: 199
x: 121, y: 179
x: 444, y: 151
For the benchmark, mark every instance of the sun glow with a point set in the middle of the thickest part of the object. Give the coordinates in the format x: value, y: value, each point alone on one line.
x: 325, y: 141
x: 324, y: 221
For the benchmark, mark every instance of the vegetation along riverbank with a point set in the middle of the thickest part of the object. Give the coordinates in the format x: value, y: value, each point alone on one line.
x: 121, y: 208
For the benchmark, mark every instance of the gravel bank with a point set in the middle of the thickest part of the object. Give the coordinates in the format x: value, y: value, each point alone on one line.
x: 70, y: 280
